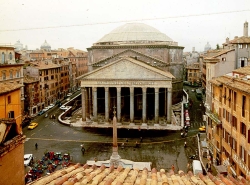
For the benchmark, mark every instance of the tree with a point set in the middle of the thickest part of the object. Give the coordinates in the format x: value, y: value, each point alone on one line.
x: 217, y: 46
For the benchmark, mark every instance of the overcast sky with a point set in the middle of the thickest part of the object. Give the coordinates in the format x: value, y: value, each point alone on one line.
x: 80, y: 23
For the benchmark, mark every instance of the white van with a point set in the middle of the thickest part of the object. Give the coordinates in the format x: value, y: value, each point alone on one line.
x: 197, y: 167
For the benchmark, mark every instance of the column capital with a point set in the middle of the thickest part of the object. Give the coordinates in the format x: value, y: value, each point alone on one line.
x: 156, y: 89
x: 94, y: 88
x: 106, y: 88
x: 144, y: 89
x: 118, y: 89
x: 131, y: 89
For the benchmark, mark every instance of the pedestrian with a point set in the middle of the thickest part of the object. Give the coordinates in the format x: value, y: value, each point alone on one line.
x: 188, y: 167
x: 54, y: 116
x: 126, y: 139
x: 172, y: 167
x: 199, y: 135
x: 122, y: 145
x: 185, y: 144
x: 141, y: 139
x: 36, y: 145
x: 136, y: 144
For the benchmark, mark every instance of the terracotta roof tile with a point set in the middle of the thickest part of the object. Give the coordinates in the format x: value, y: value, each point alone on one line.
x: 240, y: 40
x: 79, y: 174
x: 6, y: 87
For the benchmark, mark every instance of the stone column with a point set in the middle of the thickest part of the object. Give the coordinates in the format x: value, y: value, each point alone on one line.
x: 132, y: 105
x: 90, y: 103
x: 87, y: 103
x: 94, y: 91
x: 169, y: 115
x: 83, y: 104
x: 106, y: 104
x: 144, y: 104
x: 118, y: 89
x: 156, y: 105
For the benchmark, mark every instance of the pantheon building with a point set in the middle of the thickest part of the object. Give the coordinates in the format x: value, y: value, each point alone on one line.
x: 135, y: 70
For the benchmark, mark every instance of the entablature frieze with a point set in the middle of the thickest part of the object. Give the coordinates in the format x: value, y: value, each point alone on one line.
x: 127, y: 83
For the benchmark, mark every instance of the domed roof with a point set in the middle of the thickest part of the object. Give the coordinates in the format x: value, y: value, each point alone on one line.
x: 135, y: 32
x: 18, y: 45
x: 207, y: 46
x: 45, y: 45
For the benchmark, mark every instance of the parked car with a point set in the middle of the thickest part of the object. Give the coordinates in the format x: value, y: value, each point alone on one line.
x: 63, y: 107
x: 32, y: 125
x: 69, y: 94
x: 202, y: 129
x: 27, y: 159
x: 41, y: 112
x: 51, y: 105
x: 45, y: 109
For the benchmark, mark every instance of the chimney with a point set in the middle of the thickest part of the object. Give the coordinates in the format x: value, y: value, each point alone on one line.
x: 193, y: 50
x: 245, y: 30
x: 235, y: 37
x: 227, y: 40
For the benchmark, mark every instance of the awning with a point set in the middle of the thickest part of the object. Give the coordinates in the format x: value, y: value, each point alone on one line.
x: 221, y: 169
x: 214, y: 118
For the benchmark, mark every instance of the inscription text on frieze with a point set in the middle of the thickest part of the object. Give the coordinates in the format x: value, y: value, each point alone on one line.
x: 125, y: 83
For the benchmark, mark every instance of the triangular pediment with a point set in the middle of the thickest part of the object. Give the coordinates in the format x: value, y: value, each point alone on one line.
x: 128, y: 68
x: 130, y: 53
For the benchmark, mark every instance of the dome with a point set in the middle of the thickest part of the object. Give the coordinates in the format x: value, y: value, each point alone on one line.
x: 207, y: 47
x: 45, y: 46
x: 135, y: 33
x: 18, y: 46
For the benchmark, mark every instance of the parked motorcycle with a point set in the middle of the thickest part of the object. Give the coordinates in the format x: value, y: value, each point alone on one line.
x: 183, y: 134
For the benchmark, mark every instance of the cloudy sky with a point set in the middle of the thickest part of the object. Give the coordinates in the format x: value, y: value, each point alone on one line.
x: 80, y: 23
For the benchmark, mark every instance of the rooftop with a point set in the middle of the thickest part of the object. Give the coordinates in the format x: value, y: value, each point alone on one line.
x: 85, y: 174
x: 6, y: 87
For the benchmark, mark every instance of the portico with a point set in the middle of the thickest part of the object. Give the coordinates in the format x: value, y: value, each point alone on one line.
x: 139, y: 91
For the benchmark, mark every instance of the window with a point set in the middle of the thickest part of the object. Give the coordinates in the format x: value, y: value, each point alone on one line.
x: 246, y: 46
x: 243, y: 129
x: 223, y: 59
x: 242, y: 62
x: 3, y: 75
x: 18, y: 74
x: 240, y: 46
x: 234, y: 122
x: 235, y: 99
x: 11, y: 114
x: 248, y: 135
x: 243, y: 106
x: 11, y: 74
x: 9, y: 99
x: 10, y: 56
x: 3, y: 57
x: 242, y: 153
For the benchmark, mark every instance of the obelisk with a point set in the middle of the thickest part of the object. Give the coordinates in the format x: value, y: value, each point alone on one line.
x: 115, y: 158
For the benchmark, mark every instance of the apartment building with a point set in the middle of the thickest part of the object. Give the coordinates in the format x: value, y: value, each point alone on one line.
x: 228, y: 129
x: 193, y: 73
x: 49, y: 76
x: 11, y: 153
x: 11, y: 86
x: 80, y: 58
x: 32, y: 96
